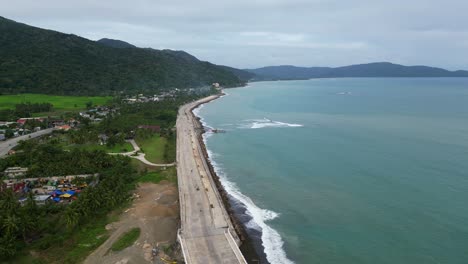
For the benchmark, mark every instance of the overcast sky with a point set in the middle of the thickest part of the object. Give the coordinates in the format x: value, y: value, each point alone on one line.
x: 254, y: 33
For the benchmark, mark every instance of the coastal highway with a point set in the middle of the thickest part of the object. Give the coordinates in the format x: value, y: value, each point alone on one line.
x: 206, y: 235
x: 5, y: 146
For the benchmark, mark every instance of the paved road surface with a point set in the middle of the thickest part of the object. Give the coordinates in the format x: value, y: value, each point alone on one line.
x: 206, y: 234
x: 5, y: 146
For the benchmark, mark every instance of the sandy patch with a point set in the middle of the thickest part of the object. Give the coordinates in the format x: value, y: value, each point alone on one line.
x: 155, y: 210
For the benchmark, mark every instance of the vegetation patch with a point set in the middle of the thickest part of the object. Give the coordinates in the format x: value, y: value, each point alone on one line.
x: 58, y: 102
x: 82, y: 243
x: 117, y: 148
x: 127, y: 239
x: 153, y: 147
x: 158, y: 176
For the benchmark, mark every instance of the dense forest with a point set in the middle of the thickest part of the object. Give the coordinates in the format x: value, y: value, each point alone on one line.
x: 36, y: 60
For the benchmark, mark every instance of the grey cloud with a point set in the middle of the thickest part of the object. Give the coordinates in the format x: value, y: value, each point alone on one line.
x: 253, y: 33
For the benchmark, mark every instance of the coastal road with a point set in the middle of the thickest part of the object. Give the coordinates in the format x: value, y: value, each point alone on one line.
x: 5, y: 146
x: 206, y: 234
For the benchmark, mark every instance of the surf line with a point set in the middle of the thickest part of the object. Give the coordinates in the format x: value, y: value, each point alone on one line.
x: 271, y: 240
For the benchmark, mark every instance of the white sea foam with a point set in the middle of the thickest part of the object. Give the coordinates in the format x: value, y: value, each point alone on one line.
x: 271, y: 239
x: 344, y: 93
x: 265, y: 123
x: 196, y: 111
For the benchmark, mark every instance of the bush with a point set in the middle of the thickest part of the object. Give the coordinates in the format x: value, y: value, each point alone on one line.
x: 126, y: 239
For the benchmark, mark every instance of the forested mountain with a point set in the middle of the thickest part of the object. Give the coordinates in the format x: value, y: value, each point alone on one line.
x: 378, y: 69
x: 243, y: 75
x: 115, y: 43
x: 44, y: 61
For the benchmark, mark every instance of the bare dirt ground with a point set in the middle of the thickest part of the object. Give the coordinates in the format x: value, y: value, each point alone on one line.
x: 155, y: 210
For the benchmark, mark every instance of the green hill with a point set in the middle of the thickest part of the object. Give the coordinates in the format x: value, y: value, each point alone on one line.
x: 35, y: 60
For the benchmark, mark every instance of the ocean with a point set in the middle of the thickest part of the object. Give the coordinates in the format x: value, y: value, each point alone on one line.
x: 353, y: 170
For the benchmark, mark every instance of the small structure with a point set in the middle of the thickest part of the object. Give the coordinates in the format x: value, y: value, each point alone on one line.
x: 85, y: 115
x: 39, y: 199
x: 2, y: 137
x: 42, y: 199
x: 63, y: 127
x: 57, y: 122
x: 13, y: 172
x: 23, y: 121
x: 103, y: 139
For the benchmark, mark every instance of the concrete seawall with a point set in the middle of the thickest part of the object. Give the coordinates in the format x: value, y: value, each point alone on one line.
x: 206, y: 233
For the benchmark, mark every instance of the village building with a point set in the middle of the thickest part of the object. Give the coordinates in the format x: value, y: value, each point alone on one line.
x: 23, y: 120
x: 63, y: 127
x: 14, y: 172
x: 85, y: 115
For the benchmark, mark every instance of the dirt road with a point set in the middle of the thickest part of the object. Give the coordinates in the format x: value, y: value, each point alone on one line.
x: 156, y: 212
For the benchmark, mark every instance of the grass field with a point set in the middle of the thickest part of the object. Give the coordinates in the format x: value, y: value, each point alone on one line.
x: 59, y: 102
x: 153, y: 147
x: 127, y: 239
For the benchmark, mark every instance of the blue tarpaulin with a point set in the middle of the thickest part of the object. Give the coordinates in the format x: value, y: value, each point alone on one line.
x: 71, y: 192
x: 56, y: 199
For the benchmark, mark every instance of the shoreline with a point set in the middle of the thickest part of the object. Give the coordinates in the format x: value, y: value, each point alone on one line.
x: 247, y: 246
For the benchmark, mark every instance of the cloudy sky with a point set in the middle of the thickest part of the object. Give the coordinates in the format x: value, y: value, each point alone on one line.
x: 254, y: 33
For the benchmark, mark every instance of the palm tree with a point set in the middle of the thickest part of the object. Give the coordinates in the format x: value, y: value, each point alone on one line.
x: 8, y: 202
x: 11, y: 225
x: 71, y: 217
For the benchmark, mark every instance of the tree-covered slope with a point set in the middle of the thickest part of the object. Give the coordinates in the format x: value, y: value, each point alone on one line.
x: 115, y: 43
x: 36, y: 60
x: 244, y: 76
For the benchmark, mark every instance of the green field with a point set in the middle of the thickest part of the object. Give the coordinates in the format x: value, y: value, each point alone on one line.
x: 153, y: 147
x: 59, y: 102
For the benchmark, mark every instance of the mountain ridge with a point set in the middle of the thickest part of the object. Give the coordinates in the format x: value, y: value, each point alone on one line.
x: 115, y: 43
x: 374, y: 69
x: 36, y: 60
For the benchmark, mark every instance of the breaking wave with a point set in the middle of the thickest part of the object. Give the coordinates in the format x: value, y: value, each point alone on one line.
x: 271, y: 239
x: 265, y: 122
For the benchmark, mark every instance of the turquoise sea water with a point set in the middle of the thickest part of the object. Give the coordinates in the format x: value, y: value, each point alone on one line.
x: 348, y: 170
